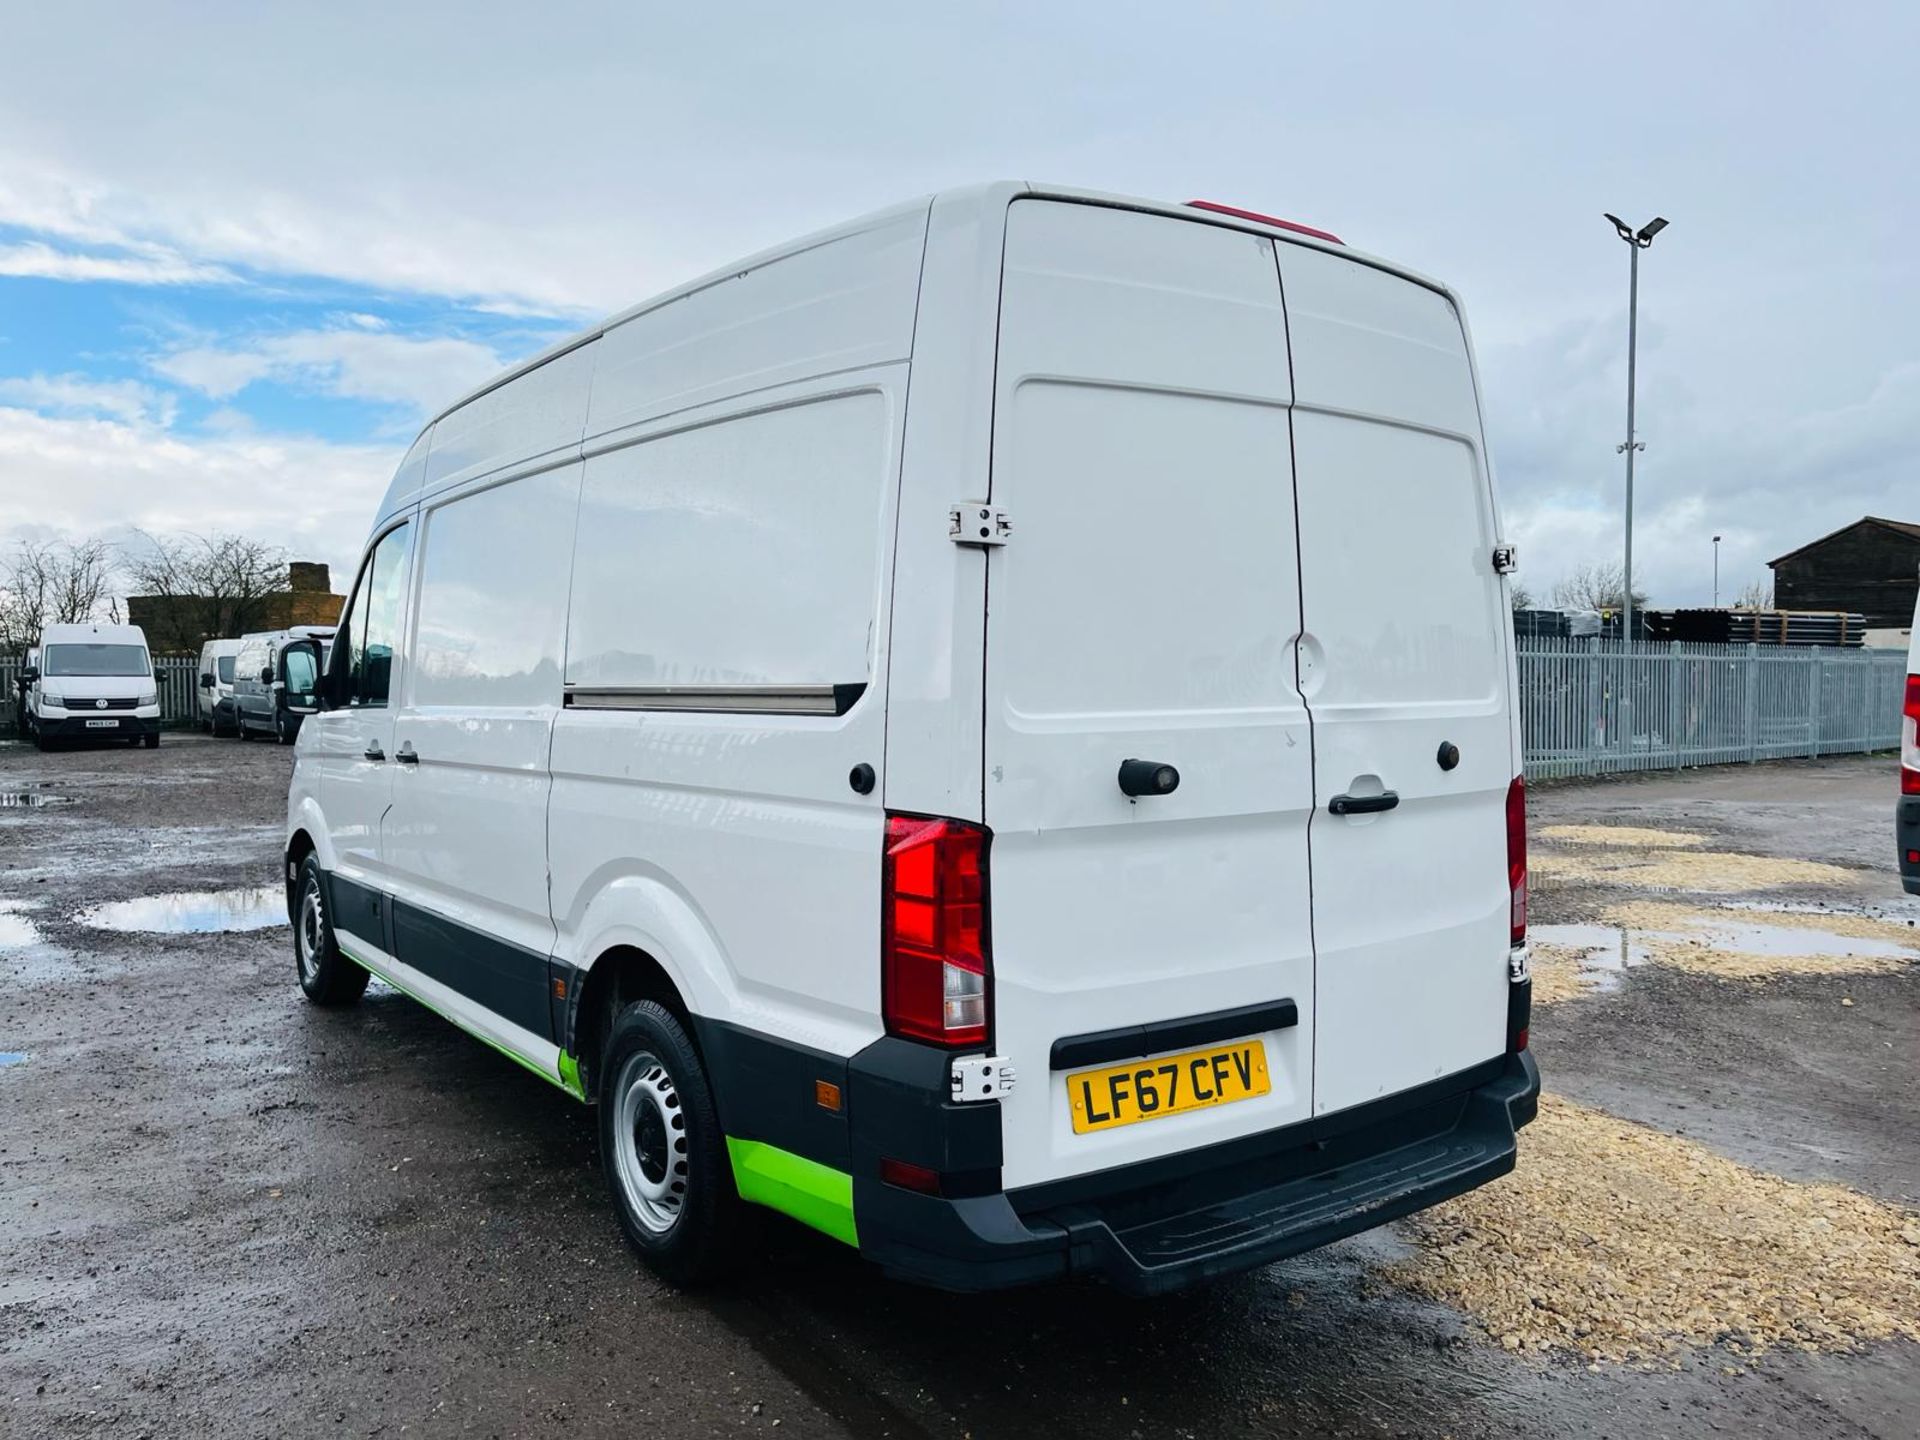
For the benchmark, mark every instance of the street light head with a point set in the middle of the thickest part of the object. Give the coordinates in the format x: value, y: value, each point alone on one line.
x: 1626, y: 230
x: 1647, y: 231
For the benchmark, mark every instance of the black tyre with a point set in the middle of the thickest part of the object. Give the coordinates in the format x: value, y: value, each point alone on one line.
x: 152, y: 742
x: 41, y: 740
x: 663, y: 1150
x: 282, y: 730
x: 240, y: 726
x: 327, y: 976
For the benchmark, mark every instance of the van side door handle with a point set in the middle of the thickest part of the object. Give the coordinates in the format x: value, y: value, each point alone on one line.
x: 406, y: 754
x: 374, y: 752
x: 1363, y: 804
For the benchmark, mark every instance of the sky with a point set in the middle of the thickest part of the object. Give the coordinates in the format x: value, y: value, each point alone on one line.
x: 246, y: 251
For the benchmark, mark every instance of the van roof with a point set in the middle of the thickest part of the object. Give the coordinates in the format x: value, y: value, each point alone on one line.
x: 91, y: 634
x: 995, y: 193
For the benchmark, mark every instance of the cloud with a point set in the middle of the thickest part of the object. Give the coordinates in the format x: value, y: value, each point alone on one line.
x: 81, y: 476
x: 356, y: 362
x: 34, y: 259
x: 82, y: 395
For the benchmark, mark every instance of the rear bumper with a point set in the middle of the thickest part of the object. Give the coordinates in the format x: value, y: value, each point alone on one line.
x: 1906, y: 834
x: 1154, y: 1228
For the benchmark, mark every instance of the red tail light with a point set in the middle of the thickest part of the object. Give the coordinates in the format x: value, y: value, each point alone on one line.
x: 934, y: 939
x: 1910, y: 740
x: 1517, y: 855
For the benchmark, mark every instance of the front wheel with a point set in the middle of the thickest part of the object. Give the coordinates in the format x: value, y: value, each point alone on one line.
x: 327, y: 976
x: 152, y: 742
x: 663, y: 1150
x: 282, y: 731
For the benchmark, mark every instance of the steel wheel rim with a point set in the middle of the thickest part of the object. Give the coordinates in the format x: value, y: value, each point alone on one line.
x: 650, y: 1143
x: 312, y: 932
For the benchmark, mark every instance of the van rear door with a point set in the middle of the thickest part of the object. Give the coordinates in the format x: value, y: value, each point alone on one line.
x: 1405, y: 664
x: 1145, y: 608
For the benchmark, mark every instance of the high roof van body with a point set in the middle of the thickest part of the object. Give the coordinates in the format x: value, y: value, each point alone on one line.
x: 989, y: 730
x: 1907, y: 819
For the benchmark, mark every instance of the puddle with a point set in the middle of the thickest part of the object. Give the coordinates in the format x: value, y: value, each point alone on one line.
x: 17, y: 932
x: 12, y: 1057
x: 189, y: 912
x: 31, y: 799
x: 1579, y: 959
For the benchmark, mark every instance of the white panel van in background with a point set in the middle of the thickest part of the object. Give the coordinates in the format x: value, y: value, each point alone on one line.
x: 91, y: 682
x: 927, y: 731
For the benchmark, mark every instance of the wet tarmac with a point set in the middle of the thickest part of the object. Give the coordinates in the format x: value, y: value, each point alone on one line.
x: 224, y: 1212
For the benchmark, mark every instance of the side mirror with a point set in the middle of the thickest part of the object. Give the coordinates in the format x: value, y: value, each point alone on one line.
x: 29, y: 675
x: 308, y: 693
x: 206, y: 682
x: 266, y: 675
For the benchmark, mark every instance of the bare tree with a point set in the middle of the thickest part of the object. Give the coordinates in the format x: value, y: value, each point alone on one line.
x: 1755, y: 595
x: 206, y: 585
x: 1596, y: 587
x: 51, y: 583
x: 1520, y: 596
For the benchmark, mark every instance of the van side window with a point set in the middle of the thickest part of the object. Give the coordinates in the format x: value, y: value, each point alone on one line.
x: 373, y: 622
x: 493, y: 594
x: 741, y: 553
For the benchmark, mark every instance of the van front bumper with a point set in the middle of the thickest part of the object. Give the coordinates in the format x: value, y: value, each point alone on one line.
x: 74, y: 726
x: 1169, y: 1223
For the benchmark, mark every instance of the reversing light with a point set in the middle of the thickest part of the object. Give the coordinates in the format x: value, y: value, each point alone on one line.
x: 1517, y: 858
x: 934, y: 966
x: 1910, y: 739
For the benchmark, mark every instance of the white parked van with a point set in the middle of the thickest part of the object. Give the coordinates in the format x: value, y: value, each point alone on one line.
x: 92, y: 682
x: 216, y: 685
x: 274, y: 680
x: 989, y: 730
x: 1907, y: 821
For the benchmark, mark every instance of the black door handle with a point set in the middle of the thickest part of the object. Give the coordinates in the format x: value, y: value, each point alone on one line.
x: 406, y: 754
x: 373, y: 751
x: 1363, y: 804
x: 1148, y: 777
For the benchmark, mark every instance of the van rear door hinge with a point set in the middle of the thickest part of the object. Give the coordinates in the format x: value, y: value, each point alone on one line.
x: 981, y: 1077
x: 1506, y: 560
x: 971, y: 523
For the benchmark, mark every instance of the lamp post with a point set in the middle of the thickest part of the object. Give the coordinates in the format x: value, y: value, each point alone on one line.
x: 1637, y: 240
x: 1716, y: 572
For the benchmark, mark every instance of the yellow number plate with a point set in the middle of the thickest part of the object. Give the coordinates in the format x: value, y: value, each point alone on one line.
x: 1171, y: 1085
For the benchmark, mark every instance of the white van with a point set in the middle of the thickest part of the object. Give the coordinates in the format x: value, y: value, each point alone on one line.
x: 1907, y: 821
x: 275, y: 678
x: 216, y: 685
x: 92, y: 682
x: 989, y: 730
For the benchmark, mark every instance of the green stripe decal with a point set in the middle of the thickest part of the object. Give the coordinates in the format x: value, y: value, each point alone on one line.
x: 454, y: 1020
x: 812, y: 1193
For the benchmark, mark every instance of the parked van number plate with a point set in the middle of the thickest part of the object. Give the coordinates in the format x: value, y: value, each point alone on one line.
x: 103, y: 724
x: 1170, y: 1085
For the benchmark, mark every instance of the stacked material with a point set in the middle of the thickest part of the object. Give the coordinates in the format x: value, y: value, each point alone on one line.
x: 1762, y: 627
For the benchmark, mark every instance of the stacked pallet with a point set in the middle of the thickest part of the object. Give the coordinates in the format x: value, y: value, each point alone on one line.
x: 1839, y: 628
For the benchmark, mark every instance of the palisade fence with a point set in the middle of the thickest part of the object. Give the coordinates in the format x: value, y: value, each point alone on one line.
x: 1596, y: 707
x: 177, y: 678
x: 1587, y: 707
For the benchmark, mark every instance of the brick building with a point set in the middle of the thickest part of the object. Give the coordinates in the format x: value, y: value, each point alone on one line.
x: 180, y: 624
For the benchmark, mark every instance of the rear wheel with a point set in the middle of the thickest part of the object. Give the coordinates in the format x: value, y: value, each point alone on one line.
x: 327, y: 976
x: 663, y: 1150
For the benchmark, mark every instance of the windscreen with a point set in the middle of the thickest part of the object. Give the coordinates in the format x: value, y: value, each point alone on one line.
x: 224, y: 668
x: 95, y: 660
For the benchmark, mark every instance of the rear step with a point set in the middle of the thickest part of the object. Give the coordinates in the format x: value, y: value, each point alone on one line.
x: 1350, y: 1183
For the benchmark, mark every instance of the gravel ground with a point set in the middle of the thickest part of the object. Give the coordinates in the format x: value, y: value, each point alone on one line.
x: 224, y: 1212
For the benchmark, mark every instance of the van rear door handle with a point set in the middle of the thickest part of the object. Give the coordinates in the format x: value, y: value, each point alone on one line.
x: 1363, y: 804
x: 406, y: 754
x: 374, y: 752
